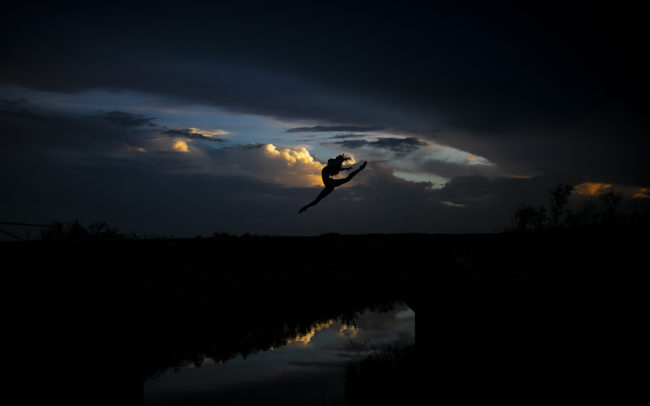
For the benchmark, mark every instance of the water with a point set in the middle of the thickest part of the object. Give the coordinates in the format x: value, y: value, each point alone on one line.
x: 306, y: 370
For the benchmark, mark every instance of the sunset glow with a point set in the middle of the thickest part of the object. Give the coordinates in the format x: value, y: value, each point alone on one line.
x: 592, y: 188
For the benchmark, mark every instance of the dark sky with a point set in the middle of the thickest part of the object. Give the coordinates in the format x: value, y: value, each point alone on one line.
x: 185, y: 119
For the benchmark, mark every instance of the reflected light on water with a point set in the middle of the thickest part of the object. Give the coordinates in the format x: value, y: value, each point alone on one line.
x: 306, y: 338
x: 348, y: 331
x: 304, y: 371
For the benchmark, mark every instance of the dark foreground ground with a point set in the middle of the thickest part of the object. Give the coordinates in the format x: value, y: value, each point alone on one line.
x: 519, y: 317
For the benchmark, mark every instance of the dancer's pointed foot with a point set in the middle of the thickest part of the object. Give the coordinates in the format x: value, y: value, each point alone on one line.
x: 303, y: 209
x: 363, y: 165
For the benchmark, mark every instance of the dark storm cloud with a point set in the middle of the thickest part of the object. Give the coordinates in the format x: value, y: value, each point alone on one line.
x: 127, y: 119
x: 33, y: 131
x: 13, y: 104
x: 537, y: 90
x: 335, y: 137
x: 334, y: 128
x: 318, y: 364
x: 400, y: 146
x: 449, y: 170
x: 344, y: 136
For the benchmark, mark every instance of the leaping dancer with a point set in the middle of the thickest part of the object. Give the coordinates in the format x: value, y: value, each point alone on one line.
x: 332, y: 168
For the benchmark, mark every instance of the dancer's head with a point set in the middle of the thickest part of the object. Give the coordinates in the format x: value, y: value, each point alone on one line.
x: 336, y: 163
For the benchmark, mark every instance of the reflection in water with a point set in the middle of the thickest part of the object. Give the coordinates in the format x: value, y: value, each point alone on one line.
x: 304, y: 369
x: 351, y: 331
x: 306, y: 338
x: 247, y: 337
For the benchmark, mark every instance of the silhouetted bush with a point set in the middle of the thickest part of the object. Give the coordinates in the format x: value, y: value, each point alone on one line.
x: 99, y: 231
x: 75, y: 231
x: 559, y: 199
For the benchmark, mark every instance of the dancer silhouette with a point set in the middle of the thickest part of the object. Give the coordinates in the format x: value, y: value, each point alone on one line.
x: 332, y: 168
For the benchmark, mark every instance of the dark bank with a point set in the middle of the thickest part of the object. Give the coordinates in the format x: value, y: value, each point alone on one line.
x: 520, y: 314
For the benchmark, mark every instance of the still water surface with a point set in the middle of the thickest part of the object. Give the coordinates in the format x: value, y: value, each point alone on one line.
x: 308, y: 370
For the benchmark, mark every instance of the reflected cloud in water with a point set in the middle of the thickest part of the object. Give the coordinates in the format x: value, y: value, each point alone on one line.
x: 307, y: 369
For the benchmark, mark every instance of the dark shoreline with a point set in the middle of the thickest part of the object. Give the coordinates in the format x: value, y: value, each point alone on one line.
x: 547, y: 310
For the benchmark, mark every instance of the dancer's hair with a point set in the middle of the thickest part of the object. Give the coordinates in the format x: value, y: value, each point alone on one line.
x: 336, y: 163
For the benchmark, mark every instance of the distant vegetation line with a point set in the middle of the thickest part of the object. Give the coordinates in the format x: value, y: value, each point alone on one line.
x: 590, y: 214
x: 595, y: 213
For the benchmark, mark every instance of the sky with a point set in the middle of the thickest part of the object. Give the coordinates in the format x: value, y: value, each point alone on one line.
x: 188, y: 119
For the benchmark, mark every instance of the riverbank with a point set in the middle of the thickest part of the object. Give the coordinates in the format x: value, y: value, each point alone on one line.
x: 527, y: 310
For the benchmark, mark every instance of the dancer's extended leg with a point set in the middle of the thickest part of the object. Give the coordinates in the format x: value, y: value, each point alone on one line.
x: 321, y: 195
x: 339, y: 182
x: 353, y: 173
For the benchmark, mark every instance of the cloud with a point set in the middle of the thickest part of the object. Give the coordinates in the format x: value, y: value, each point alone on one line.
x: 318, y: 364
x: 598, y: 188
x: 558, y: 105
x: 68, y: 138
x: 451, y: 204
x: 181, y: 146
x: 344, y: 136
x: 121, y: 118
x: 287, y: 166
x: 195, y: 134
x: 512, y: 104
x: 66, y: 174
x: 592, y: 188
x: 399, y: 146
x: 642, y: 193
x: 334, y: 128
x: 21, y: 105
x: 335, y: 137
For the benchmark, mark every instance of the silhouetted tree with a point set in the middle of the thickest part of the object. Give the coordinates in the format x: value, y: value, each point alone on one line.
x: 529, y: 218
x: 75, y: 231
x: 559, y: 199
x: 610, y: 202
x: 601, y: 211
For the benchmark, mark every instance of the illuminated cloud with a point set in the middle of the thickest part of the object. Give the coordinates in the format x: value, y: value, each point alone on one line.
x: 641, y: 194
x: 596, y: 189
x: 291, y: 156
x: 181, y: 146
x: 196, y: 133
x: 592, y: 188
x: 285, y: 166
x: 290, y: 166
x: 208, y: 133
x: 452, y: 204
